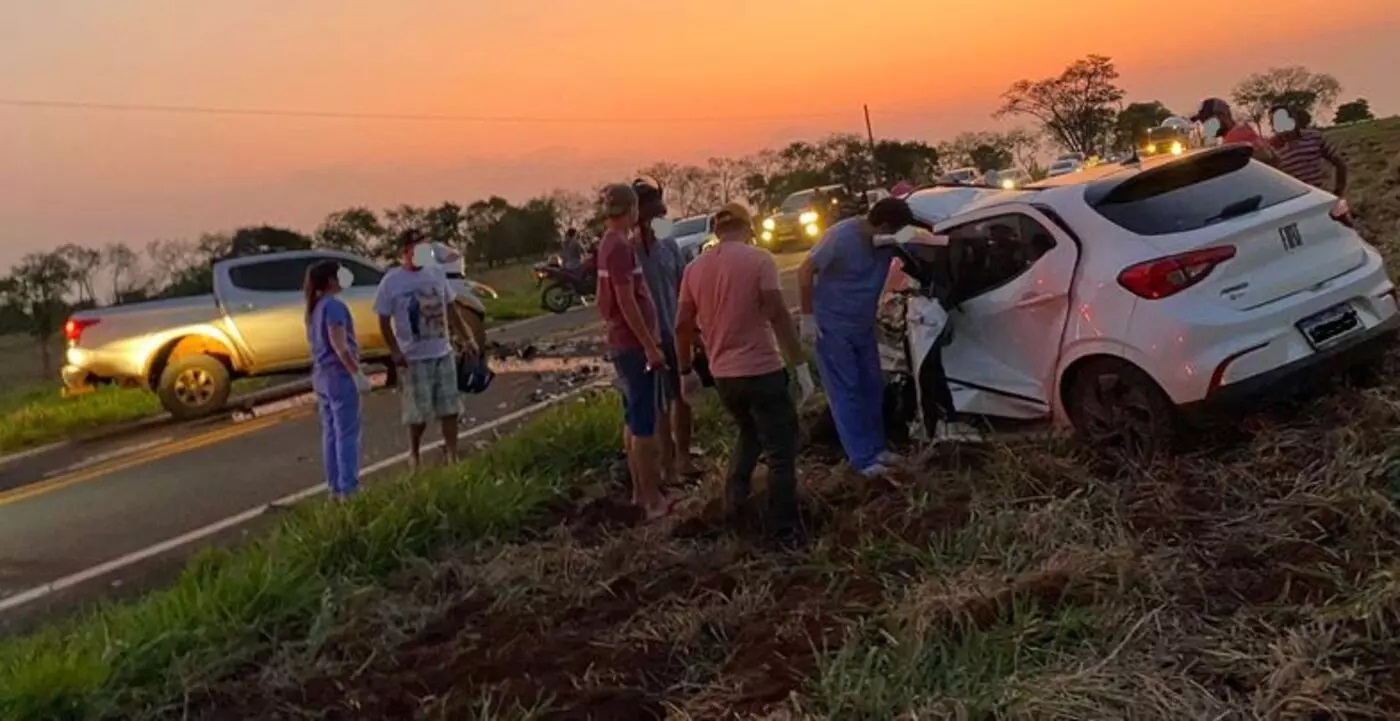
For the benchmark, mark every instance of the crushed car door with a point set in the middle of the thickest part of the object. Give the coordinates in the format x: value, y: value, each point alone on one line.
x: 1012, y: 271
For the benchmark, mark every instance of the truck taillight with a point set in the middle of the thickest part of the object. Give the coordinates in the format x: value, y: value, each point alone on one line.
x: 1156, y: 279
x: 73, y: 329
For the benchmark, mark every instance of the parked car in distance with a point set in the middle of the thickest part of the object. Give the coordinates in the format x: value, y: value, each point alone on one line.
x: 189, y: 350
x: 1064, y: 166
x: 963, y: 176
x: 803, y: 217
x: 692, y: 234
x: 1126, y: 298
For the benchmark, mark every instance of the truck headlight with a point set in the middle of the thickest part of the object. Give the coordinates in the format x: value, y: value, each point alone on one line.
x: 807, y: 218
x: 767, y: 236
x: 1008, y: 184
x: 1176, y: 148
x: 1151, y: 148
x: 812, y: 229
x: 770, y: 224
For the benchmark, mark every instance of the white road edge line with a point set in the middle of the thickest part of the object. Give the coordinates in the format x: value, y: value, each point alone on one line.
x: 22, y: 598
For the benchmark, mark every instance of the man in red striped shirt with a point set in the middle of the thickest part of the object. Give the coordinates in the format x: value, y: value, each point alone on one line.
x: 1304, y: 152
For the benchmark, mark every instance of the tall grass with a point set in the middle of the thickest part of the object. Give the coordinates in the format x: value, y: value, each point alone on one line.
x: 36, y: 414
x: 231, y: 609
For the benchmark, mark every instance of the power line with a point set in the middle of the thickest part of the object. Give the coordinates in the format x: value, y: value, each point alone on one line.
x: 412, y: 117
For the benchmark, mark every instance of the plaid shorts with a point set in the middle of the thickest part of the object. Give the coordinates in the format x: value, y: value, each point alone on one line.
x: 429, y: 390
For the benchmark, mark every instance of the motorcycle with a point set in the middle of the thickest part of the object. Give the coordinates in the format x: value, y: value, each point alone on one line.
x: 563, y: 287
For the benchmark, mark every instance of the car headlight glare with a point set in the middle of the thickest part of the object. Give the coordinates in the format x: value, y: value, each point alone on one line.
x: 1176, y: 148
x: 807, y: 218
x: 769, y: 224
x: 1008, y: 184
x: 767, y: 236
x: 812, y: 229
x: 1151, y: 148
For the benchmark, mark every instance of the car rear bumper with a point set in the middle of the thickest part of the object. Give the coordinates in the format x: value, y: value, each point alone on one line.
x: 1301, y: 374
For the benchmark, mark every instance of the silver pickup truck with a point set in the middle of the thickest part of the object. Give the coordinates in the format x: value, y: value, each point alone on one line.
x: 189, y: 350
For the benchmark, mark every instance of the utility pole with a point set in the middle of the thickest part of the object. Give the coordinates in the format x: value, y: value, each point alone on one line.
x: 870, y: 135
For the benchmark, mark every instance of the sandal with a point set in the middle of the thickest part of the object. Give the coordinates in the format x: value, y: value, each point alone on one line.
x: 667, y: 507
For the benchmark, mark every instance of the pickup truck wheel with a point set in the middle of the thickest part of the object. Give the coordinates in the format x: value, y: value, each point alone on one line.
x: 194, y: 386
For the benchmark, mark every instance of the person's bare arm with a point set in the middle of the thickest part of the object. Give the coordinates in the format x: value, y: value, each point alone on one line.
x: 632, y: 315
x: 686, y: 330
x: 776, y: 311
x: 806, y: 273
x: 340, y: 343
x: 461, y: 328
x: 386, y: 330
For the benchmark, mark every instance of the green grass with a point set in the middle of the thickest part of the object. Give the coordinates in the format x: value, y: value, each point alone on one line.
x: 232, y: 609
x: 36, y: 414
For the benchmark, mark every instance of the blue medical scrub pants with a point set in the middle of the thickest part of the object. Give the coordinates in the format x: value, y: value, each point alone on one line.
x: 339, y: 402
x: 849, y: 362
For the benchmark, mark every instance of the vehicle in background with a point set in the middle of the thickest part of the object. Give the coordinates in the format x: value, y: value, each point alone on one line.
x: 562, y: 288
x: 963, y: 176
x: 1064, y: 166
x: 1008, y: 179
x: 189, y: 350
x: 804, y: 216
x: 1127, y: 298
x: 1165, y: 139
x: 469, y: 292
x: 693, y: 234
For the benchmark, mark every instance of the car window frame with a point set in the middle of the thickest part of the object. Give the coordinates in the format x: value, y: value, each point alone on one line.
x: 957, y: 251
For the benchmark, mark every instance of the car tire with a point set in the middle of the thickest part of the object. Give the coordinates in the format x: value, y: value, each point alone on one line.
x: 1117, y: 407
x: 194, y: 386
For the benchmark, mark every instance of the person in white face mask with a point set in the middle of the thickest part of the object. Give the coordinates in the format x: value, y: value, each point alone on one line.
x: 336, y: 375
x: 416, y: 308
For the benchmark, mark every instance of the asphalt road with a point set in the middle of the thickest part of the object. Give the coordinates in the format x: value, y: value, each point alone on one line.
x: 85, y: 507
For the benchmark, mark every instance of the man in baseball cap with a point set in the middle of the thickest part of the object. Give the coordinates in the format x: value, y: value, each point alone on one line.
x: 1218, y: 121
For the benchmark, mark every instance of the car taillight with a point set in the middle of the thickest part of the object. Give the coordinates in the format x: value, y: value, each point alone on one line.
x: 1162, y: 277
x: 73, y: 329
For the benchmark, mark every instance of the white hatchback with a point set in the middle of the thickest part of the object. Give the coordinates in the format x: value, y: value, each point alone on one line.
x: 1119, y: 298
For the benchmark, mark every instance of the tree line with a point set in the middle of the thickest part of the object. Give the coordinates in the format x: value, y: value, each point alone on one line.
x: 1081, y: 109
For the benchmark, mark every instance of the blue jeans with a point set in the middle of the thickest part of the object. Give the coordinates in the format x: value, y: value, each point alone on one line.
x: 339, y: 402
x: 849, y: 362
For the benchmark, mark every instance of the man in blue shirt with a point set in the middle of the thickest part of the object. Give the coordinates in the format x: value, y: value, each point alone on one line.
x: 839, y: 286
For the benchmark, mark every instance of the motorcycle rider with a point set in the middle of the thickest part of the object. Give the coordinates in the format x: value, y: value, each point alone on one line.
x: 573, y: 250
x: 840, y: 285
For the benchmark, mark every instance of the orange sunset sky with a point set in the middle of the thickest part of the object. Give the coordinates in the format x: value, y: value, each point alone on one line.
x: 732, y: 75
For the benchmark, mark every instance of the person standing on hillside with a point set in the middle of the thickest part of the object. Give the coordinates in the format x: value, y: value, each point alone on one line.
x: 634, y: 343
x: 416, y: 306
x: 731, y: 297
x: 840, y: 284
x: 1218, y: 121
x: 1304, y: 153
x: 662, y: 265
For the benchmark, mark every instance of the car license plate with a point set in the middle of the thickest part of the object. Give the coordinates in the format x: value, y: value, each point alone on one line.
x: 1329, y: 325
x: 1291, y: 238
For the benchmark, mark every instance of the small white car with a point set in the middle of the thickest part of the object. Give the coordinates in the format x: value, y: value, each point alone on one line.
x: 692, y: 234
x: 1065, y: 166
x: 964, y: 176
x: 1124, y: 298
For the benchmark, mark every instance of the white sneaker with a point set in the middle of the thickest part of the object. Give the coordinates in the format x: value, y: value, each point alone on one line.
x: 875, y: 470
x: 890, y: 458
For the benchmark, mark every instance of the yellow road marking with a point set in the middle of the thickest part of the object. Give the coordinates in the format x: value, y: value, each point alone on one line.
x: 25, y: 493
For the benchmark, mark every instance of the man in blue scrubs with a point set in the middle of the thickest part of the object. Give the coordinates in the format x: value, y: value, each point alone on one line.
x: 840, y: 284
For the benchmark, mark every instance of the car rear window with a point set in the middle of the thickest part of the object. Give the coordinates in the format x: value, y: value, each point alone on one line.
x: 1190, y: 194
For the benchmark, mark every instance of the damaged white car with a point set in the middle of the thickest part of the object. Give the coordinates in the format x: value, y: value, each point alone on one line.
x: 1123, y: 299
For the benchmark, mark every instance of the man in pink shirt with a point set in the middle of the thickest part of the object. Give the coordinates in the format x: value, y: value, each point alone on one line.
x: 730, y: 295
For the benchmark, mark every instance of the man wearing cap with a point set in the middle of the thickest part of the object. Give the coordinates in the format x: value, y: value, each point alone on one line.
x: 1218, y: 121
x: 634, y: 344
x: 662, y: 264
x: 730, y: 295
x: 416, y: 306
x: 840, y: 284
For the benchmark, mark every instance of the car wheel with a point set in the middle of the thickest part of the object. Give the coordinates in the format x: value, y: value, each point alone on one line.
x: 1115, y: 406
x: 557, y: 298
x: 194, y: 386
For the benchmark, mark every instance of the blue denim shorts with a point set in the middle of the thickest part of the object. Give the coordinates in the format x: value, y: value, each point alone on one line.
x: 641, y: 391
